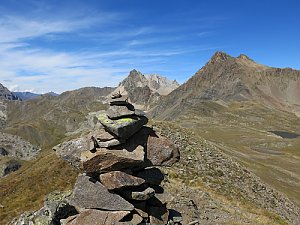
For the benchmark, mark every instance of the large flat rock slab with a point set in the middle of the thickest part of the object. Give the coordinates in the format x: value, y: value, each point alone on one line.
x: 123, y: 127
x: 91, y: 194
x: 105, y: 160
x: 96, y: 217
x: 119, y: 180
x: 116, y: 112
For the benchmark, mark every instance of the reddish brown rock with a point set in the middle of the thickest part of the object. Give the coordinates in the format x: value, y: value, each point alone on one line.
x: 160, y: 151
x: 97, y: 217
x: 118, y: 180
x: 105, y: 160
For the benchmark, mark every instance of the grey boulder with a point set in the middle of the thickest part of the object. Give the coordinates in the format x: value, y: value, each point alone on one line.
x: 96, y: 217
x: 115, y: 112
x: 91, y: 194
x: 139, y: 195
x: 70, y: 150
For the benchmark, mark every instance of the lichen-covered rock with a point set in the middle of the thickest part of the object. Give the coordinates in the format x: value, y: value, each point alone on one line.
x: 91, y: 194
x: 56, y: 207
x: 70, y: 150
x: 119, y: 180
x: 123, y: 127
x: 15, y: 146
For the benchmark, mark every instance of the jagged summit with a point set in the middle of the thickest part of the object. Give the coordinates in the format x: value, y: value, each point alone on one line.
x: 220, y: 56
x: 148, y: 87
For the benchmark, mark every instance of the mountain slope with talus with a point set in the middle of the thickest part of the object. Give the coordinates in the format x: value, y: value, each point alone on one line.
x: 226, y: 79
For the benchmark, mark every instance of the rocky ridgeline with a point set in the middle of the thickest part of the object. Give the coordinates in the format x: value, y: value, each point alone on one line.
x: 120, y: 183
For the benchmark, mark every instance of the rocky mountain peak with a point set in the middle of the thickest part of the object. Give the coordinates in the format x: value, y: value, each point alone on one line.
x: 220, y: 56
x: 145, y: 89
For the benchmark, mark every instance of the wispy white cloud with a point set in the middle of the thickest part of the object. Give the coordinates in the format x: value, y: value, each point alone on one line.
x: 108, y: 52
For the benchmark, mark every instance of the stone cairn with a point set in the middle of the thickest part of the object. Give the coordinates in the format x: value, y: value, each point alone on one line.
x: 120, y: 182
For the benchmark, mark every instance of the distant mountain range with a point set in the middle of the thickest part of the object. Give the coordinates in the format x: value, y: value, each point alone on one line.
x: 29, y: 95
x: 225, y: 79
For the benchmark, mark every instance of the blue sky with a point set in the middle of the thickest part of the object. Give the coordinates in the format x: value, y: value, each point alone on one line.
x: 64, y: 45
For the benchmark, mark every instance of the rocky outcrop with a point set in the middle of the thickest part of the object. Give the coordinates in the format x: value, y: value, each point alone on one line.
x: 9, y: 166
x: 15, y: 146
x: 55, y: 209
x: 118, y: 184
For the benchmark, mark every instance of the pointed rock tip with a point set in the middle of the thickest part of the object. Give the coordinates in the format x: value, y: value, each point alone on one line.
x: 220, y: 56
x: 245, y: 57
x: 134, y: 71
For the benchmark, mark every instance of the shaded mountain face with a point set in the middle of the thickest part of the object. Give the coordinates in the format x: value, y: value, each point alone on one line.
x: 225, y: 79
x: 144, y: 90
x: 46, y: 119
x: 6, y: 94
x: 26, y: 95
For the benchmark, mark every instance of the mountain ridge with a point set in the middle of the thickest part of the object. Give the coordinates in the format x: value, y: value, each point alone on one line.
x: 227, y: 78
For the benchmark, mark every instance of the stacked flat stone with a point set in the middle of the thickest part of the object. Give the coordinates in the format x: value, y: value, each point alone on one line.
x: 119, y: 180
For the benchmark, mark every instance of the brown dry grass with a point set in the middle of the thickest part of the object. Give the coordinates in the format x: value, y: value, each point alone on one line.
x: 25, y: 189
